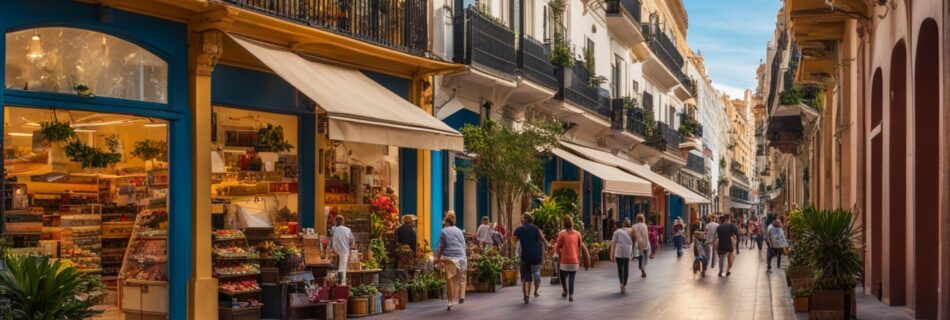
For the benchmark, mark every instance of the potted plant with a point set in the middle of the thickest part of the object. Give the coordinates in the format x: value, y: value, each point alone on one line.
x: 509, y: 276
x: 436, y: 288
x: 401, y: 293
x: 288, y: 259
x: 488, y: 265
x: 54, y: 135
x: 359, y: 299
x: 828, y: 238
x: 40, y: 288
x: 83, y: 91
x: 90, y: 157
x: 801, y: 298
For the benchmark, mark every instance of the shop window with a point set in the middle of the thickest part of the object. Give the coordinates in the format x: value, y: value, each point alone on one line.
x: 83, y: 62
x: 92, y: 189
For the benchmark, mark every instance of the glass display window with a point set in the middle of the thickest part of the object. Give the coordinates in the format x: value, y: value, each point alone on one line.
x: 91, y: 189
x: 83, y: 62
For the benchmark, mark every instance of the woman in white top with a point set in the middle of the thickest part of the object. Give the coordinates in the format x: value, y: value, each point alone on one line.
x: 621, y: 247
x: 642, y: 235
x: 484, y: 233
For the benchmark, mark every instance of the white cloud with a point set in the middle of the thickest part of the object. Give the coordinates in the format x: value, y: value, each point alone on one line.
x: 733, y: 92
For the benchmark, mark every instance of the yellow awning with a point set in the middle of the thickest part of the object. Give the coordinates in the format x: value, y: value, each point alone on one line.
x: 639, y: 170
x: 358, y: 108
x: 615, y: 180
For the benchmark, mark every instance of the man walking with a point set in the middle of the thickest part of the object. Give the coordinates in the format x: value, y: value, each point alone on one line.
x: 532, y: 243
x: 711, y: 240
x: 342, y: 242
x: 728, y: 234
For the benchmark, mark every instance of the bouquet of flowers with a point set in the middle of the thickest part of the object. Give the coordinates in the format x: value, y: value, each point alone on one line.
x: 386, y: 208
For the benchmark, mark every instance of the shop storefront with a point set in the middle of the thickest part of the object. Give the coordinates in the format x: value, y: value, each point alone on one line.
x: 95, y: 144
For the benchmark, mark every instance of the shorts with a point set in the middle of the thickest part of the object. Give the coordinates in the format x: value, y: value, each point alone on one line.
x: 530, y: 272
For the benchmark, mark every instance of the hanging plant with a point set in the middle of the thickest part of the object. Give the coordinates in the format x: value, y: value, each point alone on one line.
x: 90, y: 157
x: 271, y: 138
x: 112, y: 142
x: 56, y: 131
x: 149, y: 149
x: 83, y: 91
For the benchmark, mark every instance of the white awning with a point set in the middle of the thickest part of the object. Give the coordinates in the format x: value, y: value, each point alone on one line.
x: 739, y: 205
x: 358, y: 108
x: 615, y: 180
x: 639, y: 170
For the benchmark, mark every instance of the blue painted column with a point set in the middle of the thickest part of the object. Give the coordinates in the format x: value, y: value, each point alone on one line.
x: 437, y: 206
x: 306, y: 162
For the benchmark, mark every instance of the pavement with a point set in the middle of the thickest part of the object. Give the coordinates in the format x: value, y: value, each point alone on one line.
x: 670, y: 291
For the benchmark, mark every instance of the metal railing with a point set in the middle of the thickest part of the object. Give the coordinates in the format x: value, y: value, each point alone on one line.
x: 483, y: 42
x: 632, y: 7
x: 666, y: 133
x: 695, y: 163
x: 665, y: 50
x: 636, y: 124
x: 534, y: 60
x: 575, y: 88
x: 396, y: 24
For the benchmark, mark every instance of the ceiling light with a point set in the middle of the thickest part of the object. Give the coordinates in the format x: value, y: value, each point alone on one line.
x: 36, y: 48
x: 20, y: 134
x: 155, y: 125
x: 84, y: 130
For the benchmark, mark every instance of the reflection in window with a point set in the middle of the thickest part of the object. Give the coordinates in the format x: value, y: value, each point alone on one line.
x: 63, y: 59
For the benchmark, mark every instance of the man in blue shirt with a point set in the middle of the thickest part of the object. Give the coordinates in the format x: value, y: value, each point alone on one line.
x: 532, y: 243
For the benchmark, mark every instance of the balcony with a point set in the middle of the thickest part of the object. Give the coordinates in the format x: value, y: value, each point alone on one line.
x: 623, y: 17
x: 574, y: 87
x: 666, y: 63
x: 534, y: 60
x: 665, y: 138
x: 695, y: 163
x: 484, y: 44
x: 399, y: 25
x: 636, y: 123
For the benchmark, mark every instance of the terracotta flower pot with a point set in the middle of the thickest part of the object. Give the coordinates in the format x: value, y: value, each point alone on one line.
x: 801, y: 304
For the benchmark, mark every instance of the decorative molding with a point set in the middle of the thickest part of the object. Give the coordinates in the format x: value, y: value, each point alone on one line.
x: 208, y: 30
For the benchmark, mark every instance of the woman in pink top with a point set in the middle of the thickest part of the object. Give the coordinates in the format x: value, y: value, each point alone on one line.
x: 569, y: 248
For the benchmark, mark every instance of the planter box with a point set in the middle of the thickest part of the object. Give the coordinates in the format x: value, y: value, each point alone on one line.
x: 840, y: 301
x: 509, y: 278
x: 358, y: 306
x: 801, y: 304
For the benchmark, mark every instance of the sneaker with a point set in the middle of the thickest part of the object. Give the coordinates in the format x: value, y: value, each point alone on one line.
x: 525, y: 299
x: 728, y: 273
x: 643, y: 275
x: 563, y: 294
x: 571, y: 299
x: 536, y: 294
x: 461, y: 301
x: 720, y: 274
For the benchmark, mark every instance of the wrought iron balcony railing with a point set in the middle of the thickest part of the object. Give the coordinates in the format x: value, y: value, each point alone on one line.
x: 632, y: 7
x: 534, y: 60
x: 665, y: 136
x: 401, y: 25
x: 575, y: 87
x: 636, y: 123
x: 482, y: 42
x: 665, y: 49
x: 696, y: 163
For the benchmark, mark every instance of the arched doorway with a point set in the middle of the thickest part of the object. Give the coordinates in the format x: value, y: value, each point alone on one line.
x: 877, y: 173
x: 895, y: 288
x: 926, y: 163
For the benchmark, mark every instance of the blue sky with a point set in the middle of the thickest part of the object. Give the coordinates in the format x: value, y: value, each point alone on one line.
x: 732, y: 35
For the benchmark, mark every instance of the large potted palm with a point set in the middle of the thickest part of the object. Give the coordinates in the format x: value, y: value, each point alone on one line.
x: 829, y: 237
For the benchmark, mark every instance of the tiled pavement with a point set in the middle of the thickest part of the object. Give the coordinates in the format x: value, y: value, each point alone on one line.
x: 669, y: 292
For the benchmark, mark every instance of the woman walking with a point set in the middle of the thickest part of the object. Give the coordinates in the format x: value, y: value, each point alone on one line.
x: 569, y: 248
x: 777, y: 243
x: 451, y: 253
x: 621, y: 247
x: 655, y: 231
x: 679, y: 237
x: 642, y: 236
x: 700, y: 263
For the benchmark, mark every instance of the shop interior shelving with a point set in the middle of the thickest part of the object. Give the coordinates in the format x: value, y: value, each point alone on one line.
x: 239, y: 293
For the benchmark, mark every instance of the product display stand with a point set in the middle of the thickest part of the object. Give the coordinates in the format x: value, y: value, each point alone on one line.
x: 239, y: 292
x: 144, y: 281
